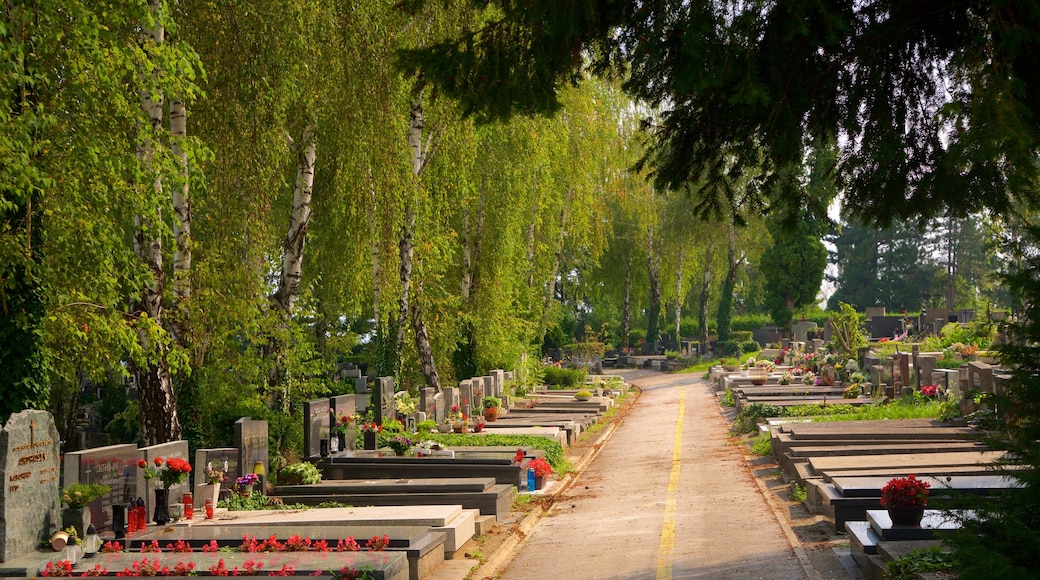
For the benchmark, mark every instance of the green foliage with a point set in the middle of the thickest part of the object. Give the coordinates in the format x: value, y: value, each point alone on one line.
x: 553, y: 449
x: 762, y: 444
x: 750, y: 346
x: 912, y: 564
x: 729, y: 348
x: 80, y: 494
x: 303, y: 473
x: 564, y: 378
x: 729, y: 398
x: 798, y: 493
x: 848, y: 334
x: 425, y: 427
x: 256, y: 501
x: 488, y: 402
x: 741, y: 335
x: 750, y: 322
x: 793, y: 268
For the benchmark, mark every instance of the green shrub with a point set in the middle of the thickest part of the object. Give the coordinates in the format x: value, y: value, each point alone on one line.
x: 564, y: 378
x: 304, y: 473
x: 798, y: 493
x: 426, y: 426
x: 750, y: 346
x: 489, y: 402
x: 671, y: 354
x: 729, y: 348
x: 749, y: 322
x: 762, y: 445
x: 740, y: 335
x: 729, y: 399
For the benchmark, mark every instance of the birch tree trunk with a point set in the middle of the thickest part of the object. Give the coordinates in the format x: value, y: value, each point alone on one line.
x: 159, y: 421
x: 725, y: 312
x: 679, y: 294
x: 288, y: 290
x: 702, y: 315
x: 422, y: 148
x: 626, y: 308
x: 179, y: 324
x: 550, y: 291
x: 654, y: 270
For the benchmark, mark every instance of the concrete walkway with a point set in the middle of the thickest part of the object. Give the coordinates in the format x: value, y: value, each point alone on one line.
x: 667, y: 497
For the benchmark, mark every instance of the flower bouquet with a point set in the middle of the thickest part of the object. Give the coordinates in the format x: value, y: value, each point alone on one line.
x: 245, y: 484
x: 343, y: 423
x: 541, y: 467
x: 400, y: 444
x: 174, y: 472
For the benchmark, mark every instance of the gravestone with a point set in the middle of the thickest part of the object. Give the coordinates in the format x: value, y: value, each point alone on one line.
x: 316, y: 426
x: 926, y: 365
x: 438, y: 407
x: 383, y: 399
x: 222, y: 458
x: 489, y: 386
x: 478, y: 388
x: 361, y: 385
x: 251, y: 441
x: 352, y: 373
x: 29, y: 504
x: 466, y: 394
x: 500, y: 381
x: 426, y: 404
x: 178, y: 449
x: 114, y: 466
x: 801, y: 328
x: 344, y: 405
x: 873, y: 311
x: 903, y: 360
x: 451, y: 397
x: 362, y: 402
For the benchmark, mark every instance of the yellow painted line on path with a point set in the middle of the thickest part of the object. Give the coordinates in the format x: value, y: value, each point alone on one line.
x: 664, y: 553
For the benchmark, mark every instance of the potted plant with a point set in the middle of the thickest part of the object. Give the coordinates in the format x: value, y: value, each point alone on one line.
x: 400, y: 444
x: 542, y: 469
x: 303, y: 473
x: 77, y: 497
x: 905, y: 499
x: 583, y: 395
x: 492, y: 407
x: 210, y: 489
x: 728, y: 365
x: 370, y: 432
x: 245, y: 484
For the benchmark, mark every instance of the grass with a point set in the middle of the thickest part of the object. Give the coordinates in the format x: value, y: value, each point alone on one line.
x: 762, y: 445
x: 798, y: 494
x: 898, y: 409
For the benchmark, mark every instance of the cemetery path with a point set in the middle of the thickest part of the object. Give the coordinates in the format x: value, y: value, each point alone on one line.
x: 668, y: 496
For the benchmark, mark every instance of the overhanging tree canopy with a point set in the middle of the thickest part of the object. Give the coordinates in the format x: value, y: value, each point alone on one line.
x: 938, y: 103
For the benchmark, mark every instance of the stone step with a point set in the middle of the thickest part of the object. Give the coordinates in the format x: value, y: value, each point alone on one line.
x: 882, y: 449
x: 902, y: 460
x: 905, y: 470
x: 494, y: 501
x: 850, y: 487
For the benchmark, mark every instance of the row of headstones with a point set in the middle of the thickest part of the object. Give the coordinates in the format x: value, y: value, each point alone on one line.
x: 31, y: 464
x: 320, y: 415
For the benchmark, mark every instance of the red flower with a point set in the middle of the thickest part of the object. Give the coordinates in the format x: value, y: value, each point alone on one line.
x: 541, y: 467
x: 905, y: 491
x: 157, y: 461
x: 142, y: 463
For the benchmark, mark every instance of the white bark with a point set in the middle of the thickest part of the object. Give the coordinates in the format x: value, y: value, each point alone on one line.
x: 679, y: 294
x: 292, y: 259
x: 181, y: 223
x: 159, y: 421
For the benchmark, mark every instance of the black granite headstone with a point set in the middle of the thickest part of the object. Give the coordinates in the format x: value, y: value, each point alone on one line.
x: 114, y: 466
x: 315, y: 426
